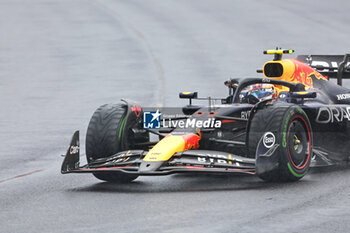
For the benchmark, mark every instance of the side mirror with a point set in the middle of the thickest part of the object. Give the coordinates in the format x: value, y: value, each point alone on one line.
x: 188, y: 95
x: 304, y: 94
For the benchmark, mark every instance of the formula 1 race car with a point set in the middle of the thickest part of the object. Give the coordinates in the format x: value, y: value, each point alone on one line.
x: 275, y: 127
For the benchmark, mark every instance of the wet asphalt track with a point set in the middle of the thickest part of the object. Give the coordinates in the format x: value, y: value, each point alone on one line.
x: 60, y: 60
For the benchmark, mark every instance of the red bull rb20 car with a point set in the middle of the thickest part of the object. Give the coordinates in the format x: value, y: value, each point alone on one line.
x: 275, y: 127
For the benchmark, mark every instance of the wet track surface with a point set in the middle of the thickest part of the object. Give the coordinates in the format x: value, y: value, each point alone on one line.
x: 60, y: 60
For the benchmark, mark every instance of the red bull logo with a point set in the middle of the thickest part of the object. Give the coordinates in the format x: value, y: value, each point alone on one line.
x: 292, y: 70
x: 304, y: 74
x: 192, y: 141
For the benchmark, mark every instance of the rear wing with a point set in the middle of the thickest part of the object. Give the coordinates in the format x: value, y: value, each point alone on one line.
x: 332, y: 66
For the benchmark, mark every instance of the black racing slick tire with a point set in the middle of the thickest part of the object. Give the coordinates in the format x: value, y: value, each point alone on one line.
x: 286, y: 130
x: 103, y: 139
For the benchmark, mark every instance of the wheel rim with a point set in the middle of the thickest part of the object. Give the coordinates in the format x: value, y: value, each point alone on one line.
x: 299, y: 142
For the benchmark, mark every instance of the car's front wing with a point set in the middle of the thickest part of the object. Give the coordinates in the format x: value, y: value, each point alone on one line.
x: 196, y: 161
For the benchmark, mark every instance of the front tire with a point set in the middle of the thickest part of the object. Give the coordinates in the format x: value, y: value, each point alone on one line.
x: 288, y: 126
x: 103, y: 139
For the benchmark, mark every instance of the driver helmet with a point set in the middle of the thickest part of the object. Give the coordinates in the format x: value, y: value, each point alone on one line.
x: 262, y: 91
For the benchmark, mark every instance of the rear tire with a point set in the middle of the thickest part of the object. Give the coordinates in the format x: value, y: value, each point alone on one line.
x: 291, y: 129
x: 103, y: 139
